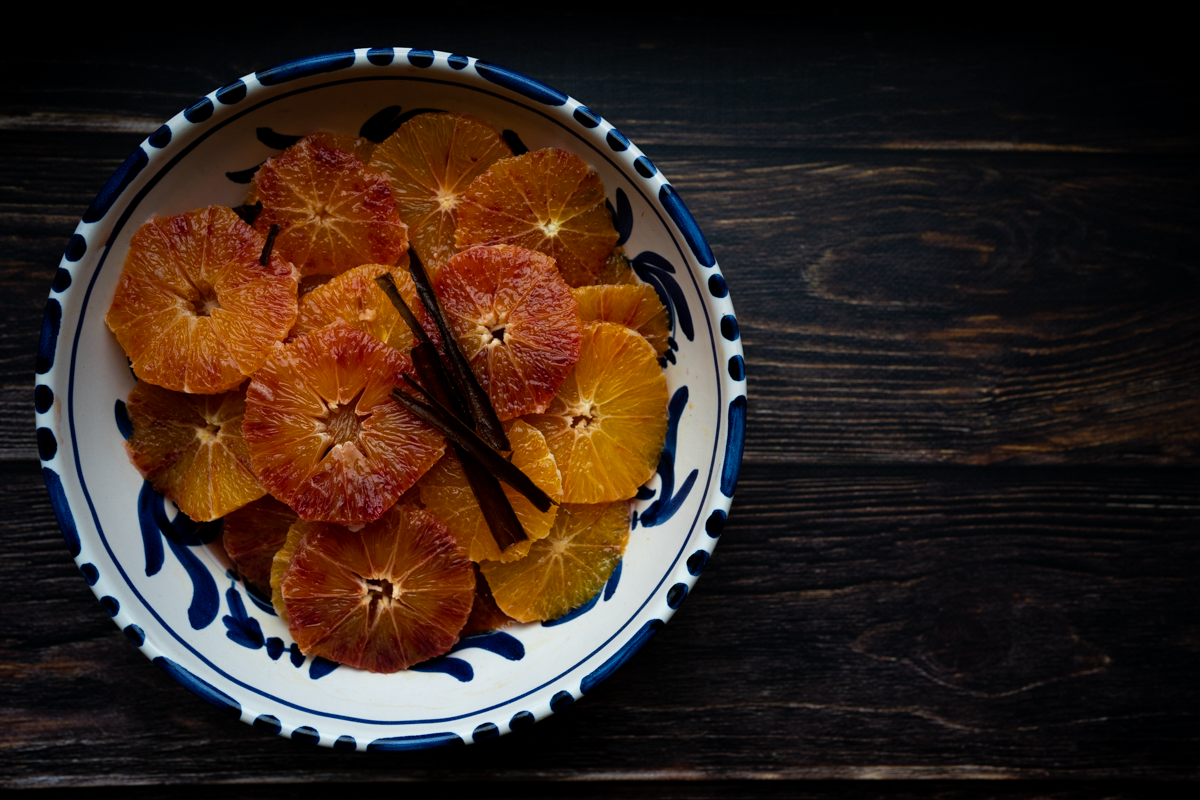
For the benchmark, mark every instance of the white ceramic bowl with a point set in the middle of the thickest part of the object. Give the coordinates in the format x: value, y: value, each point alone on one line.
x: 174, y: 595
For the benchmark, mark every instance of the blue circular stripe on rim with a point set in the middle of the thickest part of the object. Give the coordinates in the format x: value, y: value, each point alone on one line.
x: 135, y: 634
x: 304, y: 67
x: 232, y: 93
x: 586, y: 117
x: 561, y: 700
x: 421, y: 742
x: 62, y: 510
x: 268, y: 723
x: 521, y: 84
x: 645, y: 167
x: 48, y: 342
x: 420, y: 58
x: 111, y: 605
x: 47, y: 444
x: 75, y: 250
x: 676, y: 595
x: 199, y: 111
x: 90, y: 573
x: 161, y: 137
x: 43, y: 398
x: 62, y: 280
x: 306, y: 734
x: 737, y: 368
x: 458, y: 62
x: 380, y: 57
x: 521, y: 719
x: 617, y: 141
x: 729, y: 328
x: 696, y: 562
x: 345, y: 742
x: 687, y: 224
x: 134, y: 589
x: 119, y: 182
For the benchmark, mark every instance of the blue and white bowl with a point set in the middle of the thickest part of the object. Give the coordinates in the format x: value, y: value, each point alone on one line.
x: 172, y: 592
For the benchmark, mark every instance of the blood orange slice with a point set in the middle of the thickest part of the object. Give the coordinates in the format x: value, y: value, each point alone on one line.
x: 431, y: 160
x: 190, y: 447
x: 253, y: 534
x: 516, y: 323
x: 354, y: 298
x: 194, y: 309
x: 565, y: 569
x: 323, y: 433
x: 334, y: 212
x: 547, y: 200
x: 393, y: 594
x: 485, y: 616
x: 607, y: 424
x: 636, y: 306
x: 446, y: 492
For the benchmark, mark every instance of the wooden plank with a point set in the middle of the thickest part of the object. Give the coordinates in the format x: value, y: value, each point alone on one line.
x: 954, y: 309
x: 701, y: 78
x: 889, y: 623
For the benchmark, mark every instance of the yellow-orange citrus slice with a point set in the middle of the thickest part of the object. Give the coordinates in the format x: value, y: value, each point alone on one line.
x: 516, y: 323
x: 283, y: 559
x: 485, y: 616
x: 617, y: 270
x: 607, y: 424
x: 253, y: 534
x: 190, y: 447
x: 431, y: 160
x: 565, y: 569
x: 334, y: 212
x: 636, y: 306
x: 194, y: 309
x: 393, y: 594
x: 446, y: 493
x: 323, y: 433
x: 354, y: 298
x: 547, y: 200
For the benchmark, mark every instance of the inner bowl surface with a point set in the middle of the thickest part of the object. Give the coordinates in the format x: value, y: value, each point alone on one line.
x: 170, y: 587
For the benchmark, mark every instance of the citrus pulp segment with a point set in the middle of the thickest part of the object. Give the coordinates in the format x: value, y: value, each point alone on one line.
x: 283, y: 559
x: 393, y: 594
x: 486, y: 616
x: 354, y: 298
x: 547, y: 200
x: 617, y: 270
x: 567, y: 568
x: 194, y: 309
x: 323, y: 433
x: 636, y: 306
x: 516, y: 323
x: 190, y: 447
x: 446, y: 493
x: 253, y: 534
x: 431, y: 160
x: 334, y: 213
x: 607, y: 424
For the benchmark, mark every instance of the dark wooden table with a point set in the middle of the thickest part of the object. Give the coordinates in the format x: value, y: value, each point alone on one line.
x: 965, y: 541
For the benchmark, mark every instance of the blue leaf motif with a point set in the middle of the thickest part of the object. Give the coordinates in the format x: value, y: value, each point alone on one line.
x: 240, y: 626
x: 622, y: 217
x: 502, y: 644
x: 180, y: 534
x: 658, y: 272
x: 320, y: 667
x: 151, y: 535
x: 669, y: 502
x: 454, y: 667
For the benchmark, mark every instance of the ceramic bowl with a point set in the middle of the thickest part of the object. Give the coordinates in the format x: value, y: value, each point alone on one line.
x: 170, y: 588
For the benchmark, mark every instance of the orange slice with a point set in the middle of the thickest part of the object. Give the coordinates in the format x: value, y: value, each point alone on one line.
x: 616, y: 270
x: 283, y: 559
x: 607, y: 424
x: 324, y: 435
x: 334, y: 212
x: 354, y: 298
x: 194, y: 310
x: 516, y: 323
x: 393, y: 594
x: 636, y: 306
x: 485, y: 616
x: 253, y: 534
x: 547, y: 200
x: 190, y: 447
x: 564, y: 570
x: 431, y: 160
x: 446, y: 493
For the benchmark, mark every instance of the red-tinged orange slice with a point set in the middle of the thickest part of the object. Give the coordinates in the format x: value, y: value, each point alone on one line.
x: 334, y: 212
x: 190, y: 447
x: 486, y: 616
x: 194, y: 309
x: 547, y: 200
x: 393, y: 594
x: 607, y: 424
x: 636, y: 306
x: 447, y: 494
x: 431, y: 160
x: 357, y: 146
x: 564, y: 570
x: 516, y: 323
x: 283, y: 559
x: 323, y: 433
x: 354, y: 298
x: 253, y: 534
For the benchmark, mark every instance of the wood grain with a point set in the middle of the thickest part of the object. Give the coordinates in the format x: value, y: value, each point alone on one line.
x: 915, y: 623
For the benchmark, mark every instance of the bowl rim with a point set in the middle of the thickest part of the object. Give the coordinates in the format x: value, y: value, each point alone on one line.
x: 94, y: 234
